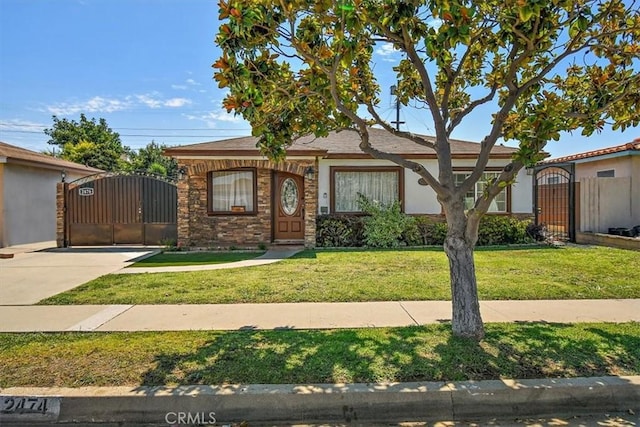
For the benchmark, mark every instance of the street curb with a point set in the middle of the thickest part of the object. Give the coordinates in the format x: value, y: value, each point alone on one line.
x: 325, y: 403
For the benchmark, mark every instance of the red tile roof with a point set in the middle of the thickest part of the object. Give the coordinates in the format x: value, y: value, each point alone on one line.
x: 344, y: 144
x: 15, y: 154
x: 630, y: 146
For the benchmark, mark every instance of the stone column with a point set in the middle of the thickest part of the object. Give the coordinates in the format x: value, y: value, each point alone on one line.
x: 184, y: 236
x: 61, y: 190
x: 311, y: 207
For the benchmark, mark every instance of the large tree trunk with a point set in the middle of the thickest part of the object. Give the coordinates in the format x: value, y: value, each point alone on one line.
x: 466, y: 320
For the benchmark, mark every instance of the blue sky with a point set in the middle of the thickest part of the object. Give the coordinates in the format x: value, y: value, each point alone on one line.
x: 145, y: 66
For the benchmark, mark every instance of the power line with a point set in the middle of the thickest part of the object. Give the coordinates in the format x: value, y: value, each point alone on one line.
x: 150, y: 135
x: 123, y: 128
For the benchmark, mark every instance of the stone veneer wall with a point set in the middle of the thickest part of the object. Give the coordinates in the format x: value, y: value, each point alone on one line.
x: 197, y: 229
x: 60, y: 213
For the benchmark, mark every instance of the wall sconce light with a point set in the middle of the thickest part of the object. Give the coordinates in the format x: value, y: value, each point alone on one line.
x: 529, y: 171
x: 309, y: 172
x: 324, y: 195
x: 182, y: 172
x: 63, y: 174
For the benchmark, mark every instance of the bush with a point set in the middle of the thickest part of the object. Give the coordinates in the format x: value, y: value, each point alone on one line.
x: 389, y: 227
x: 431, y: 232
x: 335, y: 230
x: 502, y: 230
x: 385, y: 224
x: 537, y: 232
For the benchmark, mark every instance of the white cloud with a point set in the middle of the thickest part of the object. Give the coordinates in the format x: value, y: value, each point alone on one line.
x: 21, y: 125
x: 176, y: 102
x: 192, y: 82
x: 149, y: 101
x: 99, y: 104
x: 179, y: 87
x: 213, y: 118
x: 387, y: 52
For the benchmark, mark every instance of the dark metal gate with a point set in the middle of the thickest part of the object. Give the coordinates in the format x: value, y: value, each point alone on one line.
x: 109, y: 209
x: 554, y: 200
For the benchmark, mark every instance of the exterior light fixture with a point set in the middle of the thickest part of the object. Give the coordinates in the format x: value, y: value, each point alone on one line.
x: 309, y: 172
x: 63, y: 175
x: 182, y: 172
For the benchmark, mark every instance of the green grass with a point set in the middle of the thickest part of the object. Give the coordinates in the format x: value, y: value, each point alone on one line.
x: 194, y: 258
x: 380, y: 275
x: 430, y: 353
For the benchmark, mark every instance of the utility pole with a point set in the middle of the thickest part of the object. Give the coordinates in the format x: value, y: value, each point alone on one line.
x: 397, y: 122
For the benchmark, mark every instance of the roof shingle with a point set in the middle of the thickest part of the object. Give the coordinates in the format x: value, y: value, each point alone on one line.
x: 630, y: 146
x: 343, y: 144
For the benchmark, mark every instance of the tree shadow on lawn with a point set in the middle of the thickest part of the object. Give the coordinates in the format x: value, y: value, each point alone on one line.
x: 430, y: 353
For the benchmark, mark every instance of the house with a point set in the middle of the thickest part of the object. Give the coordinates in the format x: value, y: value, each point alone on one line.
x: 28, y: 193
x: 607, y: 189
x: 231, y: 195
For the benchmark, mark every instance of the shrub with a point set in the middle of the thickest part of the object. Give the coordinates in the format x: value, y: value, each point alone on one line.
x: 431, y: 232
x: 335, y: 230
x: 502, y: 230
x: 385, y: 225
x: 537, y: 232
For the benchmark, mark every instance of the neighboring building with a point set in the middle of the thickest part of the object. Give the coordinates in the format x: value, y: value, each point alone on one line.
x: 231, y: 195
x: 28, y: 193
x: 607, y: 193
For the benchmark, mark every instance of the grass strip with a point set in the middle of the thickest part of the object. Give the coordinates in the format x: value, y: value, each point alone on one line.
x: 380, y: 275
x: 429, y: 353
x: 194, y: 258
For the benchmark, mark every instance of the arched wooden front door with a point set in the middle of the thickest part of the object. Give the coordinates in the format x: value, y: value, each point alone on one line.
x: 288, y: 202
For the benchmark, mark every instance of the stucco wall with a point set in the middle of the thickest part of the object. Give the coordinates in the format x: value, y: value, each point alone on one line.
x: 420, y: 199
x: 609, y: 202
x: 29, y: 204
x: 621, y: 165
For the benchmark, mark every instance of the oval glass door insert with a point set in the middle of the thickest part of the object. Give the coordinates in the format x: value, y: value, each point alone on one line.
x: 289, y: 196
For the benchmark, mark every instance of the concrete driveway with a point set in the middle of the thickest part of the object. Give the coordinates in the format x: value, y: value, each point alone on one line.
x: 38, y: 271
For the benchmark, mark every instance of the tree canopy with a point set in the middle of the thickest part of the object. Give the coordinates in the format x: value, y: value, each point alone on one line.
x: 94, y: 143
x: 301, y: 67
x: 150, y: 159
x: 88, y: 142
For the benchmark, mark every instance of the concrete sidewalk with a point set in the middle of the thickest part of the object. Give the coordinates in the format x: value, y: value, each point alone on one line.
x: 300, y: 315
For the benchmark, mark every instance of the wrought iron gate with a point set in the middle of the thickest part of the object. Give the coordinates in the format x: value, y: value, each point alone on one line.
x: 554, y: 200
x: 109, y: 209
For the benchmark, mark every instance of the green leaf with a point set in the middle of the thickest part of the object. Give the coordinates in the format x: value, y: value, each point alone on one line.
x: 525, y: 13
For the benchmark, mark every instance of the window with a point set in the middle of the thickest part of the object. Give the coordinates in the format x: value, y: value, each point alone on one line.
x: 607, y: 174
x: 383, y: 184
x: 499, y: 204
x: 232, y: 191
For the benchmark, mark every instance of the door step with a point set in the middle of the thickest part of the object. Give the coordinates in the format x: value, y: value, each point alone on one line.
x: 288, y: 242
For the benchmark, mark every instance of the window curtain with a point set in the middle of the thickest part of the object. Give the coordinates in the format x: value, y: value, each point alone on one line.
x: 232, y: 188
x: 378, y: 186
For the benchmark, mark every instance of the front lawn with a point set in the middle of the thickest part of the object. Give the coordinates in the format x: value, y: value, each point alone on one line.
x: 428, y: 353
x: 380, y: 275
x: 194, y: 258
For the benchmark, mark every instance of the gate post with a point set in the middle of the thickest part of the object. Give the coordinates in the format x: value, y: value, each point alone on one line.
x: 182, y: 219
x: 61, y: 215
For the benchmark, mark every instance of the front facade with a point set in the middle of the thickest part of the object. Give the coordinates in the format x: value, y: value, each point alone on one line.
x: 229, y: 195
x: 28, y: 193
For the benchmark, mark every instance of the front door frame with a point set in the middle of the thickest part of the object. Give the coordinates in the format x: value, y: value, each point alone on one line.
x: 277, y: 214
